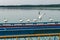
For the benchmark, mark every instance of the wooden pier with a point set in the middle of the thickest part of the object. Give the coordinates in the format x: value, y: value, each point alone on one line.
x: 53, y: 36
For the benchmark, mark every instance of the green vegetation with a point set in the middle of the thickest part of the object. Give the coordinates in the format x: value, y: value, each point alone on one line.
x: 51, y: 5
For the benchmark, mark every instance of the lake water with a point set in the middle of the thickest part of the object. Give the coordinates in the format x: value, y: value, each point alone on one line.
x: 13, y: 15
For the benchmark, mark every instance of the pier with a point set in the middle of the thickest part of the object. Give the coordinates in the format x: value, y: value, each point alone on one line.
x: 52, y: 36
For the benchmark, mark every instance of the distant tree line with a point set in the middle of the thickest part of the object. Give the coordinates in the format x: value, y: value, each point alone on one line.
x: 51, y: 5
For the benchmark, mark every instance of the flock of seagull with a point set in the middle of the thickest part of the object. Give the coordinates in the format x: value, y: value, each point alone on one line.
x: 34, y: 20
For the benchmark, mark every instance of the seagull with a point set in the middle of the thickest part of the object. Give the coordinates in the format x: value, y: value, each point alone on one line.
x: 50, y: 19
x: 21, y: 20
x: 28, y: 20
x: 40, y: 16
x: 34, y: 20
x: 5, y: 20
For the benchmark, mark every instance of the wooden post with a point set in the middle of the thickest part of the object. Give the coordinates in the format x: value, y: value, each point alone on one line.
x: 24, y: 38
x: 16, y: 38
x: 49, y: 37
x: 31, y: 38
x: 28, y: 38
x: 38, y: 38
x: 4, y: 38
x: 59, y: 37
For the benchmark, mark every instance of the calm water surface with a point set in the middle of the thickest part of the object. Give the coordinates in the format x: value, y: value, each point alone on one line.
x: 13, y: 15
